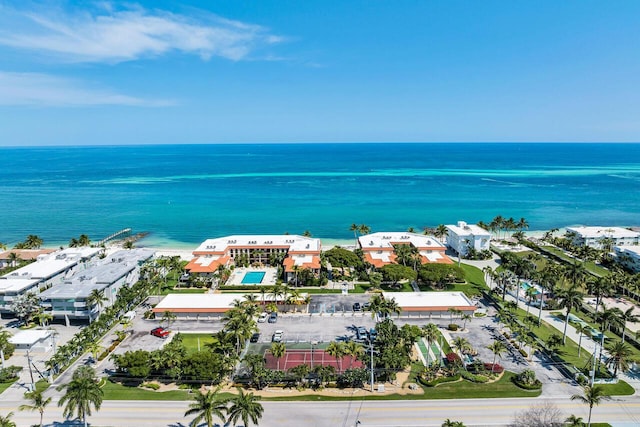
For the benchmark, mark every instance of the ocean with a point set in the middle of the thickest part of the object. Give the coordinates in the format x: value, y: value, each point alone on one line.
x: 183, y: 194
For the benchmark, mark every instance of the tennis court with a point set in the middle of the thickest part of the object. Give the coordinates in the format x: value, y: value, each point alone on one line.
x: 293, y: 358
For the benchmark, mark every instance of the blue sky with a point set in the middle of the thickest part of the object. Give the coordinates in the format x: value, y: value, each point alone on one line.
x: 75, y: 73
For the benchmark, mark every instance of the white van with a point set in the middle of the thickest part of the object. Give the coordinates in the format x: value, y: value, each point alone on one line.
x: 128, y: 316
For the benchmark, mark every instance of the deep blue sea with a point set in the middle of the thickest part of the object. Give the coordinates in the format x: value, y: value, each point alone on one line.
x: 183, y: 194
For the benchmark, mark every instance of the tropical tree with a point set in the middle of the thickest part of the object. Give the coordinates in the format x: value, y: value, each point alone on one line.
x: 14, y: 258
x: 6, y: 347
x: 449, y: 423
x: 337, y: 350
x: 441, y: 232
x: 25, y: 306
x: 355, y: 228
x: 168, y: 317
x: 278, y: 350
x: 245, y: 407
x: 431, y: 333
x: 38, y: 403
x: 364, y: 229
x: 354, y: 350
x: 81, y: 393
x: 5, y: 420
x: 96, y: 298
x: 620, y: 353
x: 582, y: 329
x: 206, y: 406
x: 569, y: 299
x: 628, y: 316
x: 498, y: 348
x: 592, y: 396
x: 461, y: 345
x: 574, y: 421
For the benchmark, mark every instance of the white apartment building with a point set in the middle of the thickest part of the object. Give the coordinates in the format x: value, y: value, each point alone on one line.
x: 628, y: 256
x: 463, y: 236
x: 378, y: 248
x: 593, y: 236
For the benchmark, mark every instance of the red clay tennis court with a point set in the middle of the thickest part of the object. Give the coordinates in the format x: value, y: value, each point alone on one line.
x: 294, y: 358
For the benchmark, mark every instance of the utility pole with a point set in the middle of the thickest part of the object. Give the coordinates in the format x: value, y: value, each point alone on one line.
x: 33, y: 386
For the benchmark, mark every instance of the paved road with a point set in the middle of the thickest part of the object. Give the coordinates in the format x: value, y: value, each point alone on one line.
x: 473, y: 412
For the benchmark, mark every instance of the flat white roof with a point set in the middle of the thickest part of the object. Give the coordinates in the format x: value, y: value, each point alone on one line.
x: 54, y: 263
x: 635, y: 250
x: 206, y: 302
x: 595, y: 232
x: 294, y: 242
x: 29, y: 337
x: 464, y: 229
x: 389, y: 238
x: 11, y: 284
x: 433, y: 301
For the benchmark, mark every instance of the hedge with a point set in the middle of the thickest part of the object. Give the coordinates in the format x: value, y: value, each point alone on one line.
x: 474, y: 378
x: 536, y: 386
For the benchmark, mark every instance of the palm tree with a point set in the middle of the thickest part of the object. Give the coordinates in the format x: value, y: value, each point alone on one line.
x: 498, y: 348
x: 364, y: 229
x: 355, y: 228
x: 354, y: 350
x: 13, y: 259
x: 337, y: 350
x: 582, y: 329
x: 574, y: 421
x: 38, y: 403
x: 431, y: 333
x: 449, y: 423
x: 465, y: 317
x: 620, y: 354
x: 461, y: 344
x: 441, y: 232
x: 82, y: 392
x: 96, y: 298
x: 169, y: 317
x: 278, y: 350
x: 245, y: 407
x: 626, y: 317
x: 569, y: 298
x: 593, y: 395
x: 206, y: 406
x: 5, y: 421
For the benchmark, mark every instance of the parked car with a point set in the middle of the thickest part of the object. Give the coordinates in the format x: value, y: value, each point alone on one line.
x: 357, y: 306
x: 263, y: 317
x: 373, y: 334
x: 273, y: 317
x: 361, y: 333
x: 160, y: 332
x: 255, y: 337
x: 277, y: 336
x: 366, y: 306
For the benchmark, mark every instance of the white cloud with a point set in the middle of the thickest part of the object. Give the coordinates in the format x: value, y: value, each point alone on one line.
x: 108, y: 35
x: 45, y: 90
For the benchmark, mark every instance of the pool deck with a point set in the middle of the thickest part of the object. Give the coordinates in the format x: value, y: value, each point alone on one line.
x: 238, y: 274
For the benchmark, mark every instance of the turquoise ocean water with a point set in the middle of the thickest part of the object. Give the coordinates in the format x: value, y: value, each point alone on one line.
x: 183, y: 194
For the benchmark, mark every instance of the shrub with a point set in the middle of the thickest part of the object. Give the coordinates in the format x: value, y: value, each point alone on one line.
x: 473, y: 377
x: 440, y: 380
x: 527, y: 380
x: 453, y: 359
x: 452, y: 327
x: 523, y: 353
x: 152, y: 386
x: 9, y: 373
x: 497, y: 368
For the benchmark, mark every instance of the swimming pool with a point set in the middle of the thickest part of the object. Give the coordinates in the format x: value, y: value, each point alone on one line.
x: 253, y: 277
x: 527, y: 285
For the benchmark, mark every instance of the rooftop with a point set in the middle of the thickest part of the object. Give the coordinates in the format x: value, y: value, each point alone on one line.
x: 386, y: 240
x: 29, y: 337
x: 433, y: 301
x: 17, y: 284
x: 464, y: 229
x: 25, y: 254
x: 54, y: 263
x: 292, y: 242
x: 595, y: 232
x: 205, y: 302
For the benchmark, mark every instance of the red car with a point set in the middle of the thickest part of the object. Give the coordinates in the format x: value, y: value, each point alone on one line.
x: 160, y: 332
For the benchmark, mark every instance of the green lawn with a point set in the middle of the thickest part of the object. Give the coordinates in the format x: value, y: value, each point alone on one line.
x: 191, y: 341
x: 459, y: 390
x: 114, y: 391
x: 620, y: 389
x: 168, y: 291
x: 590, y: 265
x: 4, y: 386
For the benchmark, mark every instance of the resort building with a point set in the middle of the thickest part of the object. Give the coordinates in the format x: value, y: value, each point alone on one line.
x: 628, y: 257
x: 427, y: 304
x: 462, y: 237
x: 68, y: 300
x: 298, y: 252
x: 12, y: 257
x: 598, y: 237
x: 378, y: 248
x: 47, y: 270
